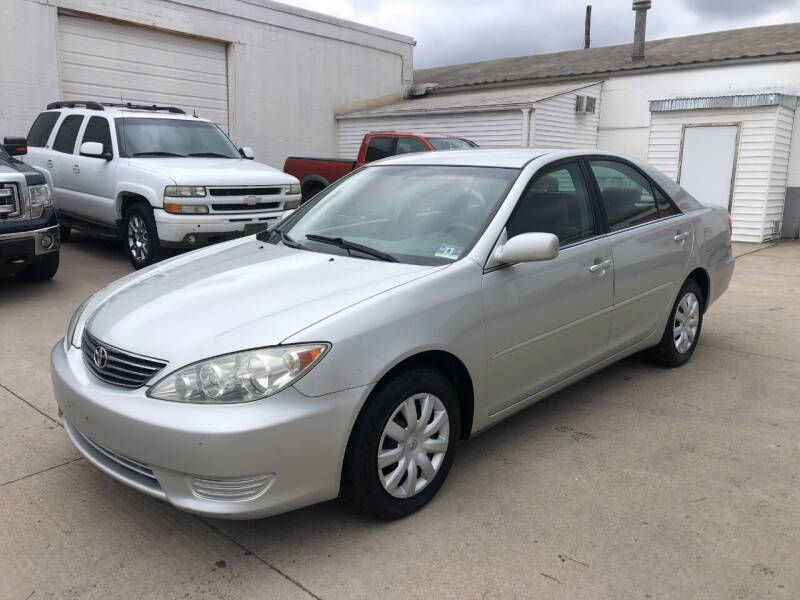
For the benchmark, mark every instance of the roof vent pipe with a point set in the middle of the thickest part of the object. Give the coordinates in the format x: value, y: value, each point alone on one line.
x: 641, y: 7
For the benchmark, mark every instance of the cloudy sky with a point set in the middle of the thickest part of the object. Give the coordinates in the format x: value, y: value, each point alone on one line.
x: 458, y: 31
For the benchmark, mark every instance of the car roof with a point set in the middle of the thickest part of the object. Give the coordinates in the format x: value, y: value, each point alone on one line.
x: 417, y: 134
x: 120, y: 111
x: 510, y: 158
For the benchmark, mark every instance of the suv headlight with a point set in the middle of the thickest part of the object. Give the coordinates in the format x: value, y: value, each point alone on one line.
x: 291, y: 189
x: 73, y: 323
x: 40, y: 197
x: 241, y: 376
x: 184, y: 191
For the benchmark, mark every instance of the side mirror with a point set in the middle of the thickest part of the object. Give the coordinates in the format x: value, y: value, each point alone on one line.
x: 247, y: 152
x: 528, y: 247
x: 15, y: 146
x: 94, y: 150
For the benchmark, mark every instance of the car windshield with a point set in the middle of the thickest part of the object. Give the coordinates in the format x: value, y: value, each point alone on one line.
x: 421, y: 214
x: 450, y: 143
x: 149, y: 137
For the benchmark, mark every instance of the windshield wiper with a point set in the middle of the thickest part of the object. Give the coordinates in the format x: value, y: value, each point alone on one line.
x: 158, y: 153
x: 209, y: 155
x: 347, y: 245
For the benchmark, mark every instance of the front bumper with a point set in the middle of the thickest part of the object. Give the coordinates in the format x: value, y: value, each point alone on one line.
x: 194, y: 231
x: 22, y: 248
x: 295, y: 444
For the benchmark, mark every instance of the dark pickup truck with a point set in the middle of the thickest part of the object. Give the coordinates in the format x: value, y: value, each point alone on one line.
x: 29, y: 233
x: 315, y: 174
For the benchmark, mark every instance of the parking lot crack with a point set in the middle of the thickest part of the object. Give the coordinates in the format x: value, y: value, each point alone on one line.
x: 261, y: 559
x: 29, y: 475
x: 41, y: 412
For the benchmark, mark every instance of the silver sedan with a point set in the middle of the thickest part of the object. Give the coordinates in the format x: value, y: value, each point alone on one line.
x: 413, y: 304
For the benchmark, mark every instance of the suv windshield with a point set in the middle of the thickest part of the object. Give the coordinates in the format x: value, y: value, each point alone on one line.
x: 422, y: 214
x: 149, y: 137
x: 450, y: 143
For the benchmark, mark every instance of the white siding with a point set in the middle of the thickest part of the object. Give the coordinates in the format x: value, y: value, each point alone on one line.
x: 557, y: 125
x: 761, y: 161
x: 494, y: 129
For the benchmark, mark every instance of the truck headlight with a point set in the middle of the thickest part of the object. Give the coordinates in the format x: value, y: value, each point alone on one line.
x: 73, y: 323
x: 186, y: 209
x: 241, y: 376
x: 291, y: 189
x: 184, y: 191
x: 40, y: 197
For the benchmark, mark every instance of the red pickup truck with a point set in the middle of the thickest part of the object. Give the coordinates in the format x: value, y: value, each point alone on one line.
x: 316, y: 174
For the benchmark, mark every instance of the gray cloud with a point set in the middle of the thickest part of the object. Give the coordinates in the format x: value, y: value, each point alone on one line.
x: 732, y: 9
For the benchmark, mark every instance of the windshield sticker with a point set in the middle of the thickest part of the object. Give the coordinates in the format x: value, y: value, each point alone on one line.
x: 449, y: 252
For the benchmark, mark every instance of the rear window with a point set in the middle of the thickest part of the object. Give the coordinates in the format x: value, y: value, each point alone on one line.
x: 41, y: 128
x: 67, y: 134
x: 379, y: 147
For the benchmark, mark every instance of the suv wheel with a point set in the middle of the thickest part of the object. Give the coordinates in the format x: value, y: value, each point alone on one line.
x: 42, y: 269
x: 402, y: 445
x: 140, y: 235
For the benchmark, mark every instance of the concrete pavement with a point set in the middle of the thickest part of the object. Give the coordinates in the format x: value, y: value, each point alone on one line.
x: 637, y: 482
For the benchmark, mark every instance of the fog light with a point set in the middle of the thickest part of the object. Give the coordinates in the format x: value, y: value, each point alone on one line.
x: 47, y: 241
x: 232, y: 490
x: 191, y: 239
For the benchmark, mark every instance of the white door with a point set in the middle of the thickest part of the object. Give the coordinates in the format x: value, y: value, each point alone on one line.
x: 707, y: 161
x: 104, y: 61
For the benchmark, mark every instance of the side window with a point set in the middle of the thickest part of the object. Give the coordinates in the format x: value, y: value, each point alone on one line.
x: 41, y: 128
x: 379, y: 147
x: 665, y: 205
x: 67, y: 134
x: 626, y: 194
x: 557, y: 202
x: 406, y: 145
x: 97, y: 130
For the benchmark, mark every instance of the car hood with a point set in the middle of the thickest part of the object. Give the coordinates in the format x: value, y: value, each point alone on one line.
x: 213, y: 171
x: 246, y: 294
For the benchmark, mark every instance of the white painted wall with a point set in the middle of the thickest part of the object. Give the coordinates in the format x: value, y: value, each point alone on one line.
x: 624, y: 124
x: 289, y: 70
x: 557, y: 125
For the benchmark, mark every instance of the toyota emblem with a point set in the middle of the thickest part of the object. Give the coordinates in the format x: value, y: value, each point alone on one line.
x: 100, y: 357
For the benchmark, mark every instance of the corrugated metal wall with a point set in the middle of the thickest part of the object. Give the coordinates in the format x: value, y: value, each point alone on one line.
x: 761, y: 163
x: 495, y: 129
x: 557, y: 125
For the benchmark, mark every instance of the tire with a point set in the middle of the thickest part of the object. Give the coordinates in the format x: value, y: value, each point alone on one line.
x: 677, y: 345
x: 140, y: 236
x: 65, y: 231
x: 311, y: 191
x: 42, y: 269
x: 366, y: 488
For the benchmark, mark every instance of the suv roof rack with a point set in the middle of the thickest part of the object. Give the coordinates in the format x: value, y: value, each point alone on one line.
x: 170, y: 109
x: 90, y: 104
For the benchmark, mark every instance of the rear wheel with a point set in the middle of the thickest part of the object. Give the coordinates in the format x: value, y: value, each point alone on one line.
x: 683, y: 328
x: 402, y: 445
x: 42, y: 269
x: 65, y: 231
x: 141, y: 236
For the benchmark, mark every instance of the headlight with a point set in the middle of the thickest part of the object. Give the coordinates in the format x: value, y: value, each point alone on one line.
x: 73, y: 323
x: 291, y: 204
x: 186, y: 209
x: 241, y: 376
x: 291, y: 189
x: 40, y: 197
x: 184, y: 191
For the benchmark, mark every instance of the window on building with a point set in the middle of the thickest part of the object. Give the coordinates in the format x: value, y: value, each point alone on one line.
x: 67, y: 134
x: 626, y: 194
x: 41, y: 128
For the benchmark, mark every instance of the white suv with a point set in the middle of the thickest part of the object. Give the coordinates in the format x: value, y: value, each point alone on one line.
x: 154, y: 176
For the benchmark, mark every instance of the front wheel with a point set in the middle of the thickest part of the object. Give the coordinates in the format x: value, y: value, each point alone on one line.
x: 683, y: 328
x: 402, y: 445
x: 43, y: 269
x: 141, y: 236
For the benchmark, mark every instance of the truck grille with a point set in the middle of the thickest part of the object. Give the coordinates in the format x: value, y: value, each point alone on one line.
x: 9, y: 201
x: 244, y: 191
x: 251, y: 207
x: 116, y: 366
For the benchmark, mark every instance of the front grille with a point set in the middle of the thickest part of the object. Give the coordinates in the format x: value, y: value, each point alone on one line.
x: 250, y: 207
x: 244, y: 191
x: 128, y: 463
x: 121, y: 368
x: 9, y: 201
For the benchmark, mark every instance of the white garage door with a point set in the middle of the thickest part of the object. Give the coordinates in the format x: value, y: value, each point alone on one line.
x: 107, y: 61
x: 495, y: 129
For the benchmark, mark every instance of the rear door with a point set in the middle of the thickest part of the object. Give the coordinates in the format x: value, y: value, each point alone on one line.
x: 548, y: 320
x: 60, y: 161
x: 651, y: 241
x: 39, y: 153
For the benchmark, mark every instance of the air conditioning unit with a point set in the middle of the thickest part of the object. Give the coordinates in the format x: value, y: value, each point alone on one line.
x: 585, y: 104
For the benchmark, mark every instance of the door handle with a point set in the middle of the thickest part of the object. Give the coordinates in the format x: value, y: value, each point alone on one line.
x: 76, y: 168
x: 49, y: 164
x: 601, y: 266
x: 681, y: 237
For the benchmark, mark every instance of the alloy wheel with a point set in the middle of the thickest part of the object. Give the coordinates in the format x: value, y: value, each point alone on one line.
x: 413, y: 445
x: 685, y: 323
x: 138, y: 238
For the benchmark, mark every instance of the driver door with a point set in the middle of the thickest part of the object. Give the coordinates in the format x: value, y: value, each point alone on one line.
x: 548, y: 320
